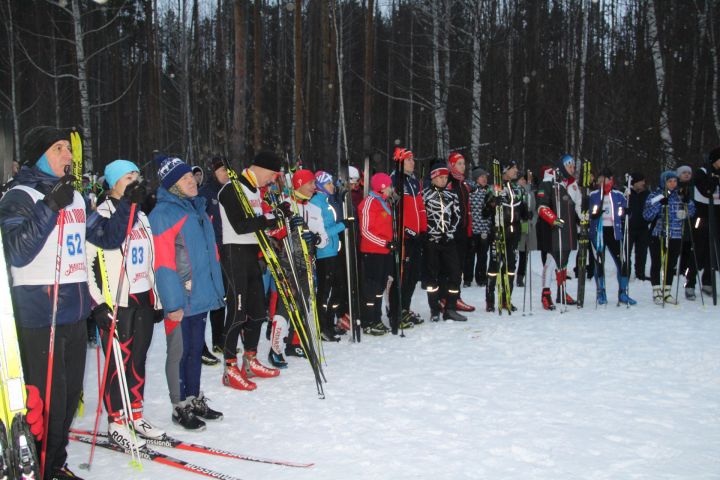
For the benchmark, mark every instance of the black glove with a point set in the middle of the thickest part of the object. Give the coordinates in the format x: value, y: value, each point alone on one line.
x: 663, y: 201
x: 410, y: 232
x: 348, y: 221
x: 102, y: 315
x: 135, y: 192
x: 158, y: 315
x: 391, y: 245
x: 296, y: 221
x: 61, y: 194
x: 283, y: 210
x: 311, y: 238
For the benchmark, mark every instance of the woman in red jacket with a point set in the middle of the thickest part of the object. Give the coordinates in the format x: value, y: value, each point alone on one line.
x: 376, y: 245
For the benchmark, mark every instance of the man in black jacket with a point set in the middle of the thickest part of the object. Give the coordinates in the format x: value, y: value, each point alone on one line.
x: 639, y: 234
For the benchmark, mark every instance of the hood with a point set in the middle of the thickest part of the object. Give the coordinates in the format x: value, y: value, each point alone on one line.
x: 197, y: 202
x: 34, y: 178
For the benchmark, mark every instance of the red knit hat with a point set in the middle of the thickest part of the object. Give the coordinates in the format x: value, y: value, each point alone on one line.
x: 380, y: 181
x: 301, y: 177
x: 454, y: 157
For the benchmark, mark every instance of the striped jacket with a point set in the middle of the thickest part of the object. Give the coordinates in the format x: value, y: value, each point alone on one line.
x: 375, y: 224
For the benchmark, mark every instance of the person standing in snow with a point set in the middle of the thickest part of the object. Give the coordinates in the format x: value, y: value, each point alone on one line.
x: 639, y: 235
x: 707, y: 186
x: 31, y: 212
x: 667, y: 209
x: 189, y: 281
x: 476, y: 260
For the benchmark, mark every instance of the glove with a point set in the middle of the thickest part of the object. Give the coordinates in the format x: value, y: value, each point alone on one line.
x: 283, y: 210
x: 391, y: 245
x: 663, y: 201
x: 102, y: 315
x: 61, y: 194
x: 311, y: 238
x: 158, y: 315
x: 34, y: 415
x: 410, y: 233
x: 348, y: 221
x: 296, y: 221
x: 135, y: 192
x: 558, y: 223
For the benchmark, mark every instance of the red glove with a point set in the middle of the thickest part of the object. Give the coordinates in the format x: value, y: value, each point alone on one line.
x: 34, y: 416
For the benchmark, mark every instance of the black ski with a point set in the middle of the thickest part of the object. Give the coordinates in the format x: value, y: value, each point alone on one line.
x: 583, y: 237
x: 398, y: 237
x: 351, y: 261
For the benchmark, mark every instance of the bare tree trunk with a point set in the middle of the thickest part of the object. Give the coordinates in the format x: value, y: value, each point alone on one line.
x: 83, y: 87
x: 10, y: 28
x: 369, y: 61
x: 238, y: 130
x: 297, y: 91
x: 411, y: 73
x: 342, y: 132
x: 475, y: 122
x: 715, y: 69
x: 585, y: 12
x: 668, y: 160
x: 441, y: 75
x: 570, y: 53
x: 326, y: 87
x: 257, y: 76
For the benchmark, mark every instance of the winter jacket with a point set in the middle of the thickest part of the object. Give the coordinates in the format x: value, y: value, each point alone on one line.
x: 28, y: 228
x: 514, y: 208
x: 569, y: 202
x: 462, y: 190
x: 676, y: 214
x: 376, y: 224
x: 141, y: 255
x: 618, y: 212
x: 187, y: 267
x: 414, y: 215
x: 480, y: 223
x: 210, y: 192
x: 528, y: 237
x: 332, y: 227
x: 238, y: 226
x: 443, y: 214
x: 636, y: 205
x: 706, y: 185
x: 313, y: 221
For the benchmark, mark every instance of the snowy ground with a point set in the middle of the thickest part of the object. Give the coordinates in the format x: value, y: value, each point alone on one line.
x: 611, y: 393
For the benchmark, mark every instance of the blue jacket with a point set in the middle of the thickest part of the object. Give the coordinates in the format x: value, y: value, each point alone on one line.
x: 187, y: 262
x: 654, y: 211
x: 333, y: 227
x: 619, y: 206
x: 26, y: 225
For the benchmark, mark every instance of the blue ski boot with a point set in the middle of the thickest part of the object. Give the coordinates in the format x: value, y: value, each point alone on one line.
x: 601, y: 296
x: 623, y: 296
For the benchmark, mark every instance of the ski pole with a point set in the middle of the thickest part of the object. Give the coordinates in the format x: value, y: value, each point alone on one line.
x: 51, y: 347
x: 697, y: 269
x: 108, y: 352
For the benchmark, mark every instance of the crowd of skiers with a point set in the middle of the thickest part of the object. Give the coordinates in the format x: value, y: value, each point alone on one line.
x: 194, y: 250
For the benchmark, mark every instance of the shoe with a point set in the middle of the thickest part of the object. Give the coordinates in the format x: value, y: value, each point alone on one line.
x: 276, y: 359
x: 435, y: 317
x: 520, y: 281
x: 377, y: 329
x: 413, y: 317
x: 454, y: 316
x: 467, y: 284
x: 120, y: 434
x: 253, y: 368
x: 295, y: 351
x: 345, y: 323
x: 208, y: 358
x: 329, y: 336
x: 601, y: 297
x: 568, y: 299
x: 202, y: 410
x: 217, y: 349
x: 235, y: 378
x: 406, y: 324
x: 489, y: 307
x: 546, y: 297
x: 63, y: 473
x: 461, y: 306
x: 623, y: 296
x: 690, y: 294
x: 144, y: 428
x: 482, y: 282
x: 657, y: 295
x: 184, y: 416
x: 707, y: 289
x: 668, y: 297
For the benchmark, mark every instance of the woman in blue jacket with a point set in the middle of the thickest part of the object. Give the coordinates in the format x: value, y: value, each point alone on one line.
x: 668, y: 211
x: 189, y: 282
x: 608, y: 208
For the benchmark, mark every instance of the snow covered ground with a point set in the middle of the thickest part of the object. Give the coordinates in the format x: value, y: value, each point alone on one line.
x: 601, y: 393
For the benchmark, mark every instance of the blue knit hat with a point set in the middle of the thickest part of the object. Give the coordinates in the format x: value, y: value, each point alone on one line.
x: 667, y: 175
x: 117, y: 169
x: 170, y: 170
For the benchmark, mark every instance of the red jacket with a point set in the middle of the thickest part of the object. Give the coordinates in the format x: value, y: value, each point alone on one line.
x: 375, y: 225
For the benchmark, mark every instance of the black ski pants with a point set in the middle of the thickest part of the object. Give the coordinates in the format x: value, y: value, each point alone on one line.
x: 135, y: 324
x: 441, y: 262
x: 412, y: 250
x: 476, y: 258
x: 612, y: 245
x: 674, y: 248
x: 245, y: 298
x: 377, y: 267
x: 639, y: 240
x: 67, y: 381
x: 330, y: 276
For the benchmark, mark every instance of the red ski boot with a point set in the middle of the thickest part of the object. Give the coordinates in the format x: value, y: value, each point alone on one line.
x: 235, y: 378
x: 253, y: 368
x: 461, y: 306
x: 547, y: 299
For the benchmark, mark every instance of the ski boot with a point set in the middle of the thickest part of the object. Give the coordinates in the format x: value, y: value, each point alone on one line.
x: 690, y: 294
x: 120, y: 434
x: 667, y: 295
x: 461, y: 306
x: 276, y: 359
x: 184, y: 415
x: 657, y: 295
x: 202, y: 410
x: 601, y: 295
x: 208, y: 358
x: 253, y: 368
x: 435, y: 317
x: 144, y: 428
x: 376, y: 329
x: 63, y: 473
x: 546, y: 297
x: 235, y: 378
x: 520, y: 281
x: 623, y: 296
x: 413, y: 317
x: 329, y: 335
x: 454, y: 315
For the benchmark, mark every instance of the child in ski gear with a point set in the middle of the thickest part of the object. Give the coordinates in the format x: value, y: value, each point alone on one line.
x: 667, y: 209
x: 505, y: 204
x: 608, y: 208
x: 414, y: 227
x: 559, y: 203
x: 376, y: 246
x: 32, y: 213
x: 439, y: 256
x: 639, y: 234
x: 136, y: 308
x: 476, y: 260
x: 189, y: 281
x: 331, y: 290
x: 528, y: 240
x: 707, y: 179
x: 456, y: 167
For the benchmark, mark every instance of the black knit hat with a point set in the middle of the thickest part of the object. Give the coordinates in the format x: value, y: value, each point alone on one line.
x: 216, y: 163
x: 714, y: 155
x: 39, y: 139
x: 269, y: 160
x: 636, y: 177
